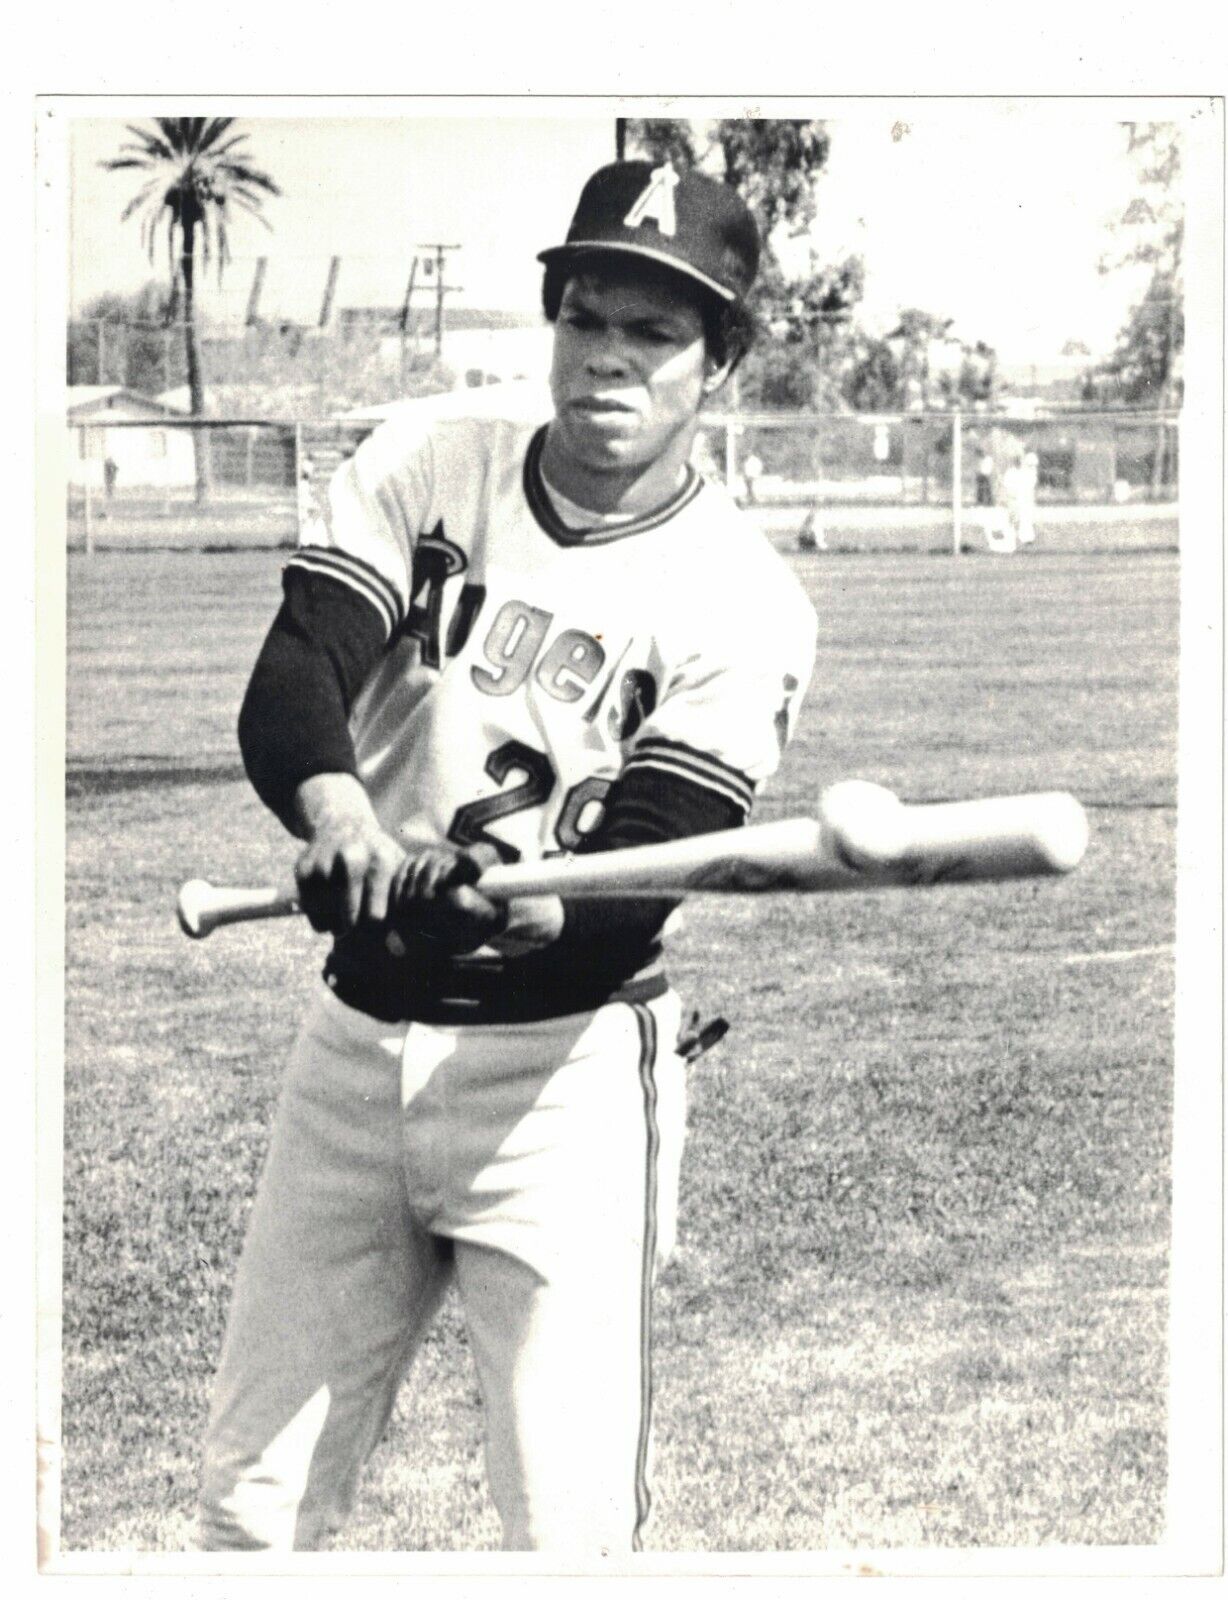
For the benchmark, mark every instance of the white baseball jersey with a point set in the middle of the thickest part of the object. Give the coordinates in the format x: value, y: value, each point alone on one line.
x: 530, y: 663
x: 512, y: 1122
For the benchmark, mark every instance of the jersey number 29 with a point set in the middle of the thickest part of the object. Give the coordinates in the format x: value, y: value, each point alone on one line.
x: 580, y: 813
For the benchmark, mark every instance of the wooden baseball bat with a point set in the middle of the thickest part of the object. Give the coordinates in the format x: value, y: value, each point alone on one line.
x: 863, y: 838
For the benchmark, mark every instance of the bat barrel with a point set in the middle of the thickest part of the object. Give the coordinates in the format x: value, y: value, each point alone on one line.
x: 952, y: 841
x: 1010, y: 836
x: 773, y: 855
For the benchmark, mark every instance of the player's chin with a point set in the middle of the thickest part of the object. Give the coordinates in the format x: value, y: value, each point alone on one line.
x: 602, y: 433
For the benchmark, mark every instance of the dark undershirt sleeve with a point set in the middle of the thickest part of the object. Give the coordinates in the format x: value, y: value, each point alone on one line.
x: 645, y: 807
x: 294, y: 722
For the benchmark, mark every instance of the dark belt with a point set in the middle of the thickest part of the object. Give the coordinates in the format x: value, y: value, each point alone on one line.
x: 480, y: 998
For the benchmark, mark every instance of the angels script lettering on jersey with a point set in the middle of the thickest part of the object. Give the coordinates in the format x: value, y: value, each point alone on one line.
x: 513, y: 646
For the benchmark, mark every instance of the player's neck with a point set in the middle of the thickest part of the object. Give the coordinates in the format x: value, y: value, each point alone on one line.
x: 635, y: 490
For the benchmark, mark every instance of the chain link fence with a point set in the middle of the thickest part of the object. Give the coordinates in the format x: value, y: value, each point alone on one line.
x: 951, y: 481
x: 1086, y: 458
x: 1106, y: 480
x: 200, y: 484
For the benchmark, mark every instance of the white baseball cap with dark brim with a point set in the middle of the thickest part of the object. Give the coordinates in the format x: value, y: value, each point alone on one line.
x: 685, y: 221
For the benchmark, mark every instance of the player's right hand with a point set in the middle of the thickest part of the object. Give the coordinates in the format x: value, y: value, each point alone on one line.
x: 346, y: 871
x: 435, y: 897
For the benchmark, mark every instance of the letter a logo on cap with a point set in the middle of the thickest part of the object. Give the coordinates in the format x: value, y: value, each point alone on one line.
x: 657, y: 202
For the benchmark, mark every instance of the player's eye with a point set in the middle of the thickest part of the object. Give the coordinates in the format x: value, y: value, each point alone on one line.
x: 658, y: 333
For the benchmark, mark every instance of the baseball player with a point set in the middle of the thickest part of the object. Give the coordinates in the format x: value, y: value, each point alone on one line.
x: 502, y: 642
x: 1026, y: 506
x: 1019, y: 496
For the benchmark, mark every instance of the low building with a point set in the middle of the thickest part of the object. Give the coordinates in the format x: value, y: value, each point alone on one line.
x: 103, y: 425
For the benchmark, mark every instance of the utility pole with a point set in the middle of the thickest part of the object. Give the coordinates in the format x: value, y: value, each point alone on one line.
x: 435, y: 265
x: 253, y: 299
x: 407, y: 303
x: 407, y: 316
x: 330, y: 291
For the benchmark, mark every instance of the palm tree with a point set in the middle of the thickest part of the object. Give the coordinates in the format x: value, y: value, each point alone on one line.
x: 198, y: 175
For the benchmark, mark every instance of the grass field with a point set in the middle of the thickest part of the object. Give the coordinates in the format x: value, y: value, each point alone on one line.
x: 921, y: 1293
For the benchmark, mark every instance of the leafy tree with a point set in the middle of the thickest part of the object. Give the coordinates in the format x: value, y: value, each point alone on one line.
x: 659, y: 139
x: 921, y: 366
x: 196, y: 175
x: 938, y: 369
x: 875, y: 381
x: 978, y: 373
x: 126, y: 339
x: 915, y: 340
x: 810, y: 335
x: 773, y: 164
x: 1144, y: 368
x: 1150, y: 233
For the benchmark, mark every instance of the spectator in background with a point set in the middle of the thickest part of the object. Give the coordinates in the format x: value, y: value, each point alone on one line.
x: 703, y: 460
x: 110, y: 471
x: 752, y: 471
x: 812, y: 535
x: 984, y: 477
x: 1018, y: 493
x: 1025, y: 513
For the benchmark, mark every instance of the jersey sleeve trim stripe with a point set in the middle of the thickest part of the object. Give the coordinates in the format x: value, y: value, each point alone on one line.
x: 681, y: 762
x: 357, y: 575
x: 655, y: 741
x: 685, y: 758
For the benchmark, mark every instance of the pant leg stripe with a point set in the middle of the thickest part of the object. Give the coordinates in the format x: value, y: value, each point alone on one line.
x: 647, y: 1023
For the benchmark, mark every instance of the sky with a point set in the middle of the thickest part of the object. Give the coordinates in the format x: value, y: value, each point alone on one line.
x: 992, y: 213
x: 995, y: 218
x: 365, y: 189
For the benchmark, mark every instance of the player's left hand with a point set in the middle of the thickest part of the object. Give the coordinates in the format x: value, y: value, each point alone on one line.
x: 433, y: 896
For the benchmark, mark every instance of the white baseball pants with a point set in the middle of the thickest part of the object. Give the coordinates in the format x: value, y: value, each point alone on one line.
x: 537, y: 1166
